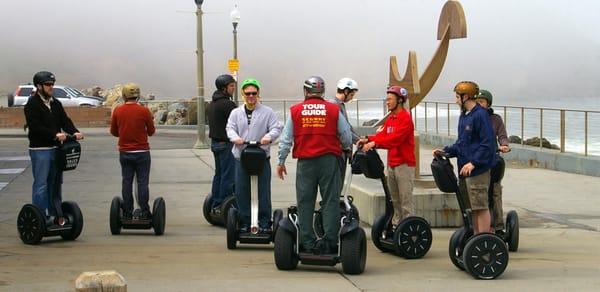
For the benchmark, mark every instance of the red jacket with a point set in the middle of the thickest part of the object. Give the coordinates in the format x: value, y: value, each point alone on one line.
x: 315, y: 128
x: 132, y: 123
x: 398, y: 137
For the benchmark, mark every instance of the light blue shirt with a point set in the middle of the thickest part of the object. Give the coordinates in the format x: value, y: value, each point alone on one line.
x: 287, y: 137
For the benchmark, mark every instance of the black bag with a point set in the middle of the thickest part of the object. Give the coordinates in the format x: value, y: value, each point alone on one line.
x: 68, y: 155
x: 443, y: 173
x: 368, y: 163
x: 253, y: 159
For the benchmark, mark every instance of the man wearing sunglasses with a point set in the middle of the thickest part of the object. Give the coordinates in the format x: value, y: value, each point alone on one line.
x: 48, y: 125
x: 253, y: 121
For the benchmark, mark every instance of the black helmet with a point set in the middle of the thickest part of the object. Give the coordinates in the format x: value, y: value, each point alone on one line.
x: 315, y: 85
x: 224, y: 80
x: 43, y: 77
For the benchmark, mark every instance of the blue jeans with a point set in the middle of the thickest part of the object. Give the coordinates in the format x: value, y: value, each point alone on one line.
x: 47, y: 182
x: 242, y: 194
x: 222, y: 184
x: 135, y: 164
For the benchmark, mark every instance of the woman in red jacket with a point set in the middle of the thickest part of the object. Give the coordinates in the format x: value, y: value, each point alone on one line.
x: 397, y: 136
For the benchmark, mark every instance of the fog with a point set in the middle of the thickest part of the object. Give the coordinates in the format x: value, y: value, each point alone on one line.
x: 537, y: 51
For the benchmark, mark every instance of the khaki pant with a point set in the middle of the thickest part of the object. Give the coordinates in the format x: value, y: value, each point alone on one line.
x: 400, y: 182
x: 498, y: 215
x: 476, y: 190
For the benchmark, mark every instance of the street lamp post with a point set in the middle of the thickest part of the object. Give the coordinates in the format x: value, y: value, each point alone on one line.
x: 201, y: 141
x: 235, y: 19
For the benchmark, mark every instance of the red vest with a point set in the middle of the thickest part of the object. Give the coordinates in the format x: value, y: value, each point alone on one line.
x: 315, y: 128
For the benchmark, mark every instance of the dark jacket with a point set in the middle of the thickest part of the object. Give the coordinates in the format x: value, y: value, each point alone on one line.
x: 218, y: 112
x: 499, y: 128
x: 476, y: 142
x: 44, y: 123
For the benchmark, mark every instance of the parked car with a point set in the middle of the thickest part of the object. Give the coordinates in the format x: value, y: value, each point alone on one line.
x: 68, y: 96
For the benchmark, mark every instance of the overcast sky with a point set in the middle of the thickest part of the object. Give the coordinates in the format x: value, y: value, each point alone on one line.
x: 536, y: 50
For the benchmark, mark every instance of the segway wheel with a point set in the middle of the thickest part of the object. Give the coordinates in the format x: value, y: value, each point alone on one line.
x: 206, y: 210
x: 285, y: 254
x: 31, y: 224
x: 159, y: 216
x: 232, y: 224
x: 227, y: 204
x: 512, y: 228
x: 71, y: 210
x: 456, y: 246
x: 277, y: 216
x: 116, y: 211
x: 485, y: 256
x: 377, y: 230
x: 354, y: 252
x: 413, y: 238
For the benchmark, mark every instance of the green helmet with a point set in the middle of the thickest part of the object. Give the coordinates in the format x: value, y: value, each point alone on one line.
x: 484, y: 94
x: 251, y: 81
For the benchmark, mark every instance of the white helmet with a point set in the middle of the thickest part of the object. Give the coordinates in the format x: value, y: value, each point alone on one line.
x: 347, y: 83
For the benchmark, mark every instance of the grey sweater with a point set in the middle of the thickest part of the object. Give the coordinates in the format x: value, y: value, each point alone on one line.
x: 263, y: 123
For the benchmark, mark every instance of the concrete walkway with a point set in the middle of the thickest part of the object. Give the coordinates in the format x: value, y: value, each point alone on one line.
x: 558, y: 249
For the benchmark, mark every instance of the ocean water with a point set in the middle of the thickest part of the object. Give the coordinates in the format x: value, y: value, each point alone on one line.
x: 528, y: 127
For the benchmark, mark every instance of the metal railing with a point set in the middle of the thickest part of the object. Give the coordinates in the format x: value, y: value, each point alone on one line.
x: 569, y: 128
x: 552, y: 122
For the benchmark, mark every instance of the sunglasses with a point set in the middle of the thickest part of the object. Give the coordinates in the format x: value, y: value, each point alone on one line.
x: 49, y: 84
x: 251, y: 93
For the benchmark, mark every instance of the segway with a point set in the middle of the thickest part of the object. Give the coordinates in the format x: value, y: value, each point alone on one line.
x: 510, y: 234
x: 218, y: 218
x: 156, y: 220
x: 352, y: 243
x: 252, y: 159
x: 412, y: 238
x: 33, y: 224
x: 483, y: 256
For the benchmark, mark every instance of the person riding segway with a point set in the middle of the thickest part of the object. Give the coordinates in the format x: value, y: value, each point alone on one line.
x: 318, y: 135
x: 397, y: 230
x: 217, y: 203
x: 252, y: 127
x: 509, y: 231
x: 473, y: 248
x: 53, y: 148
x: 132, y: 123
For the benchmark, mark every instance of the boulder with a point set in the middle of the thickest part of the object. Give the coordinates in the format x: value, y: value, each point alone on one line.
x: 514, y: 139
x: 535, y: 141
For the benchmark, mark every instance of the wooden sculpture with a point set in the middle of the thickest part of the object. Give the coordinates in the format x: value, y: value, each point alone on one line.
x: 452, y: 25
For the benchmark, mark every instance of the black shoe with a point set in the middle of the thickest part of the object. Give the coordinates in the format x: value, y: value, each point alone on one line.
x: 145, y: 215
x: 137, y: 213
x: 127, y: 216
x: 245, y: 229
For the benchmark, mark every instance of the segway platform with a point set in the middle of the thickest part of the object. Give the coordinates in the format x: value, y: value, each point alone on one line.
x: 156, y: 221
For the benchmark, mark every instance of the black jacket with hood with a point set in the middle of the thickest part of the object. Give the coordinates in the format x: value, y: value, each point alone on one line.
x: 218, y: 112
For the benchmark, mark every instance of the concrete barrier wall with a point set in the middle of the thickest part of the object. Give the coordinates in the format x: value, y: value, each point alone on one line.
x: 83, y: 117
